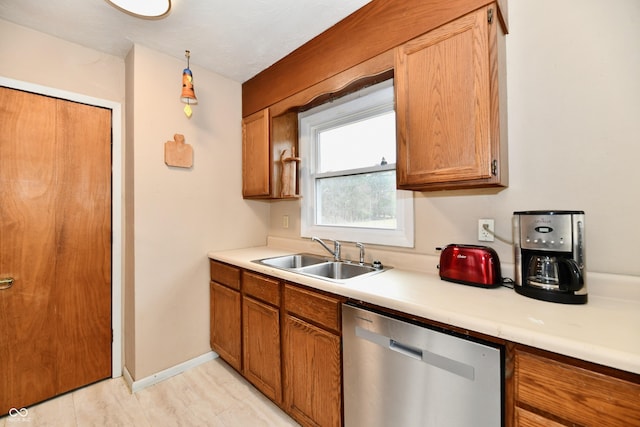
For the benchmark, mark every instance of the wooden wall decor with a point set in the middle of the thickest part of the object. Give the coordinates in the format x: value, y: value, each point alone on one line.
x: 289, y: 168
x: 177, y: 153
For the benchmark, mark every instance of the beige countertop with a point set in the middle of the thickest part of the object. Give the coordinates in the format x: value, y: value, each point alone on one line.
x: 606, y: 330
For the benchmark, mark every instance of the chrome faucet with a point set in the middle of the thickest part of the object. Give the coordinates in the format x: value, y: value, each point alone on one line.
x: 361, y: 247
x: 336, y: 247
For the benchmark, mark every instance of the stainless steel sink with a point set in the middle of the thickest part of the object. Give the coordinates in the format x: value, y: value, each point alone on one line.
x: 293, y: 261
x: 337, y: 270
x: 321, y: 267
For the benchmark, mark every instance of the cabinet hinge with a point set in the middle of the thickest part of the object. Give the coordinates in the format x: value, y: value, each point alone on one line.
x: 494, y: 167
x: 490, y: 16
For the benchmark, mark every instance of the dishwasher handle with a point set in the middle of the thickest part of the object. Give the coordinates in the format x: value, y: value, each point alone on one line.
x: 405, y: 349
x: 448, y: 364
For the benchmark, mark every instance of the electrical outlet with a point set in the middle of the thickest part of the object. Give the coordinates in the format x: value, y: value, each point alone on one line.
x: 485, y: 234
x: 285, y: 221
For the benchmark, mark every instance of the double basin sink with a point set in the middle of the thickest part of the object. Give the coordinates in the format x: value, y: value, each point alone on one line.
x: 322, y: 267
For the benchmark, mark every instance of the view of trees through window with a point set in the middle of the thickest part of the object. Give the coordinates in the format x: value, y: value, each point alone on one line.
x: 355, y: 184
x: 364, y: 200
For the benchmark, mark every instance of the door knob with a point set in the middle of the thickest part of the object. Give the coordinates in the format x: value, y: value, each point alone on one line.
x: 6, y: 283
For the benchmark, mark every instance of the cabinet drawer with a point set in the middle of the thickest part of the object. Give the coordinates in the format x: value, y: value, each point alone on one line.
x: 575, y: 394
x: 525, y: 418
x: 262, y: 288
x: 315, y: 307
x: 225, y: 274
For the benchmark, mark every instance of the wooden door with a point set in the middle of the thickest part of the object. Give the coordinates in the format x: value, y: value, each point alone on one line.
x: 83, y: 239
x: 27, y: 238
x: 55, y: 241
x: 443, y: 105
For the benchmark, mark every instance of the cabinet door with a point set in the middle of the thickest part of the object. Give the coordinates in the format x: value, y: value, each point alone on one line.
x: 575, y: 394
x: 443, y: 105
x: 312, y: 376
x: 255, y: 155
x: 261, y: 335
x: 225, y: 324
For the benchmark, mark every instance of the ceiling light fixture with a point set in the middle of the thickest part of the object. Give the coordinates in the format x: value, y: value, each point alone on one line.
x: 188, y: 95
x: 149, y: 9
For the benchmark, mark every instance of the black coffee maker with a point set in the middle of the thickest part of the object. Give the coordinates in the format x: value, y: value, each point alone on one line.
x: 549, y: 252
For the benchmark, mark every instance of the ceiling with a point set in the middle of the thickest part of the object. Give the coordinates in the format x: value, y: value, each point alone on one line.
x: 234, y: 38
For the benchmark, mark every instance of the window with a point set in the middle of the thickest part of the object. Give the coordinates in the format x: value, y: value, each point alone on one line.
x: 348, y: 151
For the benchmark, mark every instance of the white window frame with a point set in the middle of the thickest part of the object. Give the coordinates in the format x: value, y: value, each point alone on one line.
x: 364, y: 103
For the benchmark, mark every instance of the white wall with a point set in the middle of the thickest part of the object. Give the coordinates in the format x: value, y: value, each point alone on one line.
x: 573, y: 77
x: 181, y: 214
x: 34, y: 57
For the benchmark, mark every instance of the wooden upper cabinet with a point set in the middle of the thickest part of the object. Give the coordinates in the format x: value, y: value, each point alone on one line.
x: 255, y: 155
x: 448, y: 62
x: 352, y: 41
x: 450, y: 133
x: 266, y: 141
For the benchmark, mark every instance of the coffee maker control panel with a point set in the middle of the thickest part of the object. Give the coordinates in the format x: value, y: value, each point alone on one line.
x: 546, y: 232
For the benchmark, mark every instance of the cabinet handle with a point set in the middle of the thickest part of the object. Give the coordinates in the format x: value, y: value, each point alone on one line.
x: 494, y: 167
x: 6, y: 283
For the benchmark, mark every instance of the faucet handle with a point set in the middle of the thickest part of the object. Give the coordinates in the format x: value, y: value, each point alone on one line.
x: 336, y: 250
x: 361, y: 247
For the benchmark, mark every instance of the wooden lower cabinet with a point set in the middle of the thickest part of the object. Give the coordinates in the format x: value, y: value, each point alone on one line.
x: 313, y: 374
x: 524, y: 418
x: 225, y: 315
x: 284, y: 339
x: 555, y: 391
x: 312, y: 357
x: 261, y: 334
x: 225, y: 324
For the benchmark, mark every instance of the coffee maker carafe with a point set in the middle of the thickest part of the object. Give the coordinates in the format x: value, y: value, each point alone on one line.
x: 550, y: 255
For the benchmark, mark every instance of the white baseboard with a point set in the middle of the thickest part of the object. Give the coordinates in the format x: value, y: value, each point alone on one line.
x: 136, y: 386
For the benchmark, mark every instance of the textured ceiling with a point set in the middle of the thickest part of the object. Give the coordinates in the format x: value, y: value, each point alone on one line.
x: 235, y: 38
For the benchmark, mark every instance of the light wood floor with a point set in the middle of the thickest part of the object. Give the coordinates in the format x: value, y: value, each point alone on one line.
x: 211, y: 394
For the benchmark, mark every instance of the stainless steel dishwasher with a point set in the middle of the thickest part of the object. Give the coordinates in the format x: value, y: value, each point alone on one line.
x: 404, y: 374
